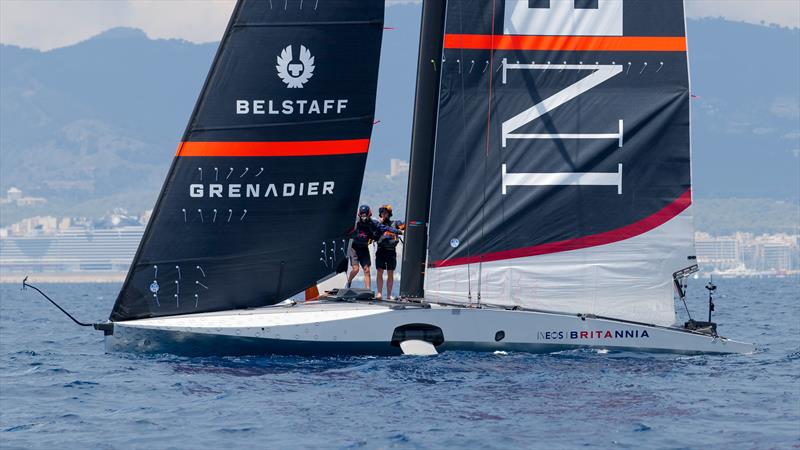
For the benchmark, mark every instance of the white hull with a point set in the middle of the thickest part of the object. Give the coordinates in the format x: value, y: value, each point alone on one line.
x: 332, y: 327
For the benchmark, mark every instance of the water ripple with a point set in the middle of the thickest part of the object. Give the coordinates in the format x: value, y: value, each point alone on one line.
x: 59, y: 389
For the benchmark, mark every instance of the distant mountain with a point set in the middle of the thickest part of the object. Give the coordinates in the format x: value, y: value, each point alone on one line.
x: 94, y: 126
x: 98, y: 120
x: 749, y: 215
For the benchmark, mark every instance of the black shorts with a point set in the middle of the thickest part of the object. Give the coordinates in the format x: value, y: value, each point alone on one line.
x: 360, y: 256
x: 386, y: 258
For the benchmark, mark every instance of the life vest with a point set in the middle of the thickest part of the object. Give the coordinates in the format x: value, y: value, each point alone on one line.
x: 362, y: 234
x: 390, y: 240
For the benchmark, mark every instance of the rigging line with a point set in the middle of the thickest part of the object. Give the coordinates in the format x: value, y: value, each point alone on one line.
x: 584, y: 218
x: 465, y: 151
x: 25, y: 284
x: 686, y: 307
x: 486, y: 158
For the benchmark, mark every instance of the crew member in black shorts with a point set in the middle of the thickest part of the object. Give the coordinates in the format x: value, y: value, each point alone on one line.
x: 366, y: 230
x: 386, y: 255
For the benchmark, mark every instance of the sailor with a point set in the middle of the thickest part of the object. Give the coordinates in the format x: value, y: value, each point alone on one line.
x: 366, y: 230
x: 386, y: 255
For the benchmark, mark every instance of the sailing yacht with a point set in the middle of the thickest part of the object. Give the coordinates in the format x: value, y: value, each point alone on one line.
x: 549, y: 199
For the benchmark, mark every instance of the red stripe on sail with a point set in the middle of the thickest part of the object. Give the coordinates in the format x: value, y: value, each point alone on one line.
x: 620, y: 234
x: 566, y: 43
x: 293, y: 148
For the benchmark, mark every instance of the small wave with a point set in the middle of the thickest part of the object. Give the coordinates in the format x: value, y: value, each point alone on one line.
x: 77, y: 383
x: 480, y: 416
x: 399, y: 437
x: 357, y: 444
x: 24, y: 427
x: 237, y: 430
x: 149, y: 424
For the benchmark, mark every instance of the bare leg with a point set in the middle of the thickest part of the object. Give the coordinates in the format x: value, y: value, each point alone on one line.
x: 389, y: 282
x: 379, y: 282
x: 367, y: 281
x: 352, y: 274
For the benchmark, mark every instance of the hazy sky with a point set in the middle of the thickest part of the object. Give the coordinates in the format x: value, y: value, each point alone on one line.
x: 46, y: 24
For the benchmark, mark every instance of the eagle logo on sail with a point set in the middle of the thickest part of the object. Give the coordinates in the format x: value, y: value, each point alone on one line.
x: 295, y: 74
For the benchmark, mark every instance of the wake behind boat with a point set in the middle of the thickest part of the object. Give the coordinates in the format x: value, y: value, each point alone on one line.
x: 549, y: 187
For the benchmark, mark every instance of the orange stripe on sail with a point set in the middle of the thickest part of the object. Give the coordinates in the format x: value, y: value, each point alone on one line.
x: 294, y: 148
x: 566, y: 43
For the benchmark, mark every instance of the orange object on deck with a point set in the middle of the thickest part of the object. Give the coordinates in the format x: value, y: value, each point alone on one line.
x: 312, y: 293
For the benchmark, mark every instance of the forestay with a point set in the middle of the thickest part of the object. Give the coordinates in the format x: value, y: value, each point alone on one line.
x: 264, y: 184
x: 562, y: 167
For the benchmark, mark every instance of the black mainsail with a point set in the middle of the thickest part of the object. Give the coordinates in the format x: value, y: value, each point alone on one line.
x: 562, y: 162
x: 266, y: 180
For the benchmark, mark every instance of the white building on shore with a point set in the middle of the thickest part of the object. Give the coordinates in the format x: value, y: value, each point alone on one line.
x: 746, y: 254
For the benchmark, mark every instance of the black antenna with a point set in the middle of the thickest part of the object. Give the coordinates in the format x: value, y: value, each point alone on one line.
x: 712, y: 288
x: 709, y: 327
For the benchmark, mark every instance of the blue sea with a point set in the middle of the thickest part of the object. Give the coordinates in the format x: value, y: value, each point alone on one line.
x: 58, y: 389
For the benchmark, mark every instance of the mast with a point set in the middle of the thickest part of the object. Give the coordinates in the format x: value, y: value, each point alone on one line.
x: 423, y: 137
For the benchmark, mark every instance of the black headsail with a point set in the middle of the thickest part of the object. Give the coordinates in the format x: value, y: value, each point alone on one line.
x: 264, y: 184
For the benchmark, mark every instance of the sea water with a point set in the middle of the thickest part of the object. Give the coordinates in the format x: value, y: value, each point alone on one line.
x: 58, y: 389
